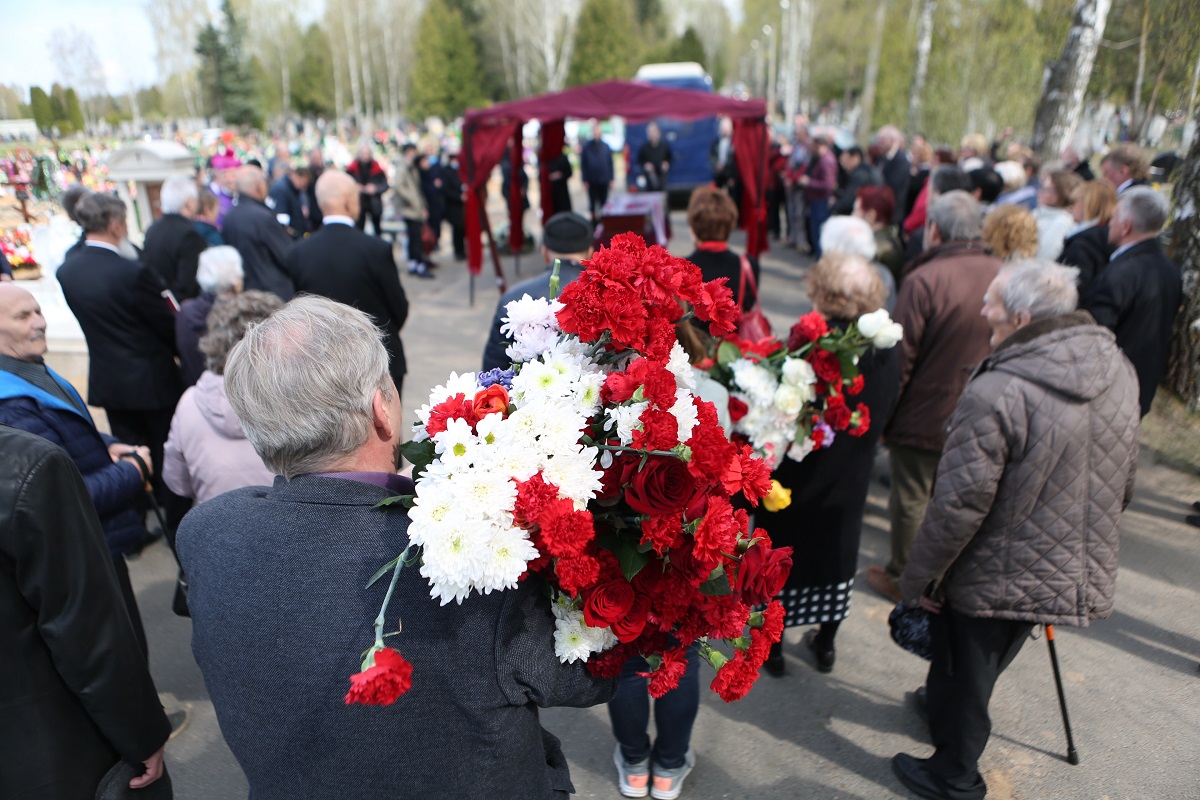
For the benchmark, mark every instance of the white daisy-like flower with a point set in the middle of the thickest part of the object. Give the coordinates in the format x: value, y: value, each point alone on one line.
x: 509, y: 551
x: 788, y: 399
x: 798, y: 372
x: 685, y: 413
x: 455, y: 444
x: 486, y: 428
x: 530, y: 311
x: 485, y: 491
x: 575, y: 474
x: 679, y: 366
x: 626, y: 420
x: 435, y: 504
x: 538, y: 379
x: 587, y: 393
x: 453, y: 555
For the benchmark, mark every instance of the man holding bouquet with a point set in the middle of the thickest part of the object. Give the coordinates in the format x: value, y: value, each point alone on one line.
x: 280, y: 613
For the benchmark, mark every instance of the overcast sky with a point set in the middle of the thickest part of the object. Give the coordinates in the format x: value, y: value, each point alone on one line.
x: 122, y: 33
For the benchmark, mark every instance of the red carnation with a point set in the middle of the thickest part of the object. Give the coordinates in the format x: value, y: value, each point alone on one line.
x: 773, y: 616
x: 763, y: 572
x: 591, y: 309
x: 807, y: 329
x: 620, y: 386
x: 383, y: 683
x: 827, y: 366
x: 711, y: 451
x: 862, y: 422
x: 737, y: 409
x: 748, y: 474
x: 663, y: 486
x: 837, y: 417
x: 660, y: 386
x: 576, y: 573
x: 609, y: 663
x: 669, y: 673
x: 660, y: 430
x: 855, y: 386
x: 532, y: 497
x: 735, y: 678
x: 565, y: 531
x: 726, y: 617
x: 660, y: 338
x: 662, y: 532
x: 713, y: 303
x: 456, y: 407
x: 717, y: 533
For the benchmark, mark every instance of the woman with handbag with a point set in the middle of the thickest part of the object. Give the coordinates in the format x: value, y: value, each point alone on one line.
x: 711, y: 217
x: 823, y: 524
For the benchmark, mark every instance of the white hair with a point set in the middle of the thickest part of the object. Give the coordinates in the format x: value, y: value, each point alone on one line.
x: 1144, y: 207
x: 1042, y: 287
x: 220, y: 269
x: 303, y: 384
x: 957, y: 215
x: 1013, y: 175
x: 175, y: 193
x: 850, y: 235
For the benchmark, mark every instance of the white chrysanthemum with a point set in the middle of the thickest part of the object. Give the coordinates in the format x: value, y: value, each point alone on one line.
x: 532, y: 344
x: 788, y: 399
x: 453, y: 556
x: 575, y: 474
x: 571, y: 640
x: 679, y: 366
x: 570, y: 346
x: 537, y: 380
x: 485, y: 490
x: 466, y: 384
x: 626, y: 420
x: 757, y: 382
x: 684, y: 412
x: 435, y: 505
x: 509, y: 551
x: 798, y: 372
x: 799, y: 450
x: 530, y: 311
x: 587, y: 393
x: 454, y: 445
x: 485, y: 428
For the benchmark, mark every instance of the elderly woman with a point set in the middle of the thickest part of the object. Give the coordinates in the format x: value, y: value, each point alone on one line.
x: 372, y: 182
x: 1086, y: 245
x: 220, y: 275
x: 711, y: 217
x: 207, y: 452
x: 1053, y: 214
x: 853, y: 236
x: 1011, y: 232
x: 829, y: 487
x: 877, y: 205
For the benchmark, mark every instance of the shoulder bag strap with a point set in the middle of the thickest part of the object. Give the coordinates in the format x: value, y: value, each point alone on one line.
x: 747, y: 275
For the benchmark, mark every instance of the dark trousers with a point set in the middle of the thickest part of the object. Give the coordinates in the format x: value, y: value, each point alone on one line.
x: 416, y: 251
x: 818, y: 212
x: 372, y: 205
x: 150, y: 429
x: 969, y: 654
x: 458, y: 231
x: 674, y: 714
x: 131, y: 605
x: 597, y: 197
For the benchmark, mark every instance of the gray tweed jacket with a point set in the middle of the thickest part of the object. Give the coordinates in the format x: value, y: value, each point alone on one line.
x: 280, y: 617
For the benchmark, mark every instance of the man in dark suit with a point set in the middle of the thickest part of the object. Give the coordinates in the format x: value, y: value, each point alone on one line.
x: 894, y: 165
x: 173, y: 245
x: 859, y: 174
x: 130, y: 331
x: 289, y: 201
x: 1125, y: 166
x: 252, y: 228
x: 1138, y: 294
x: 76, y: 692
x: 344, y: 264
x: 277, y: 577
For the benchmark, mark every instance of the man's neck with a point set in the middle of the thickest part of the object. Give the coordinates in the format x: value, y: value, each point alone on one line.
x: 104, y: 238
x: 1138, y: 239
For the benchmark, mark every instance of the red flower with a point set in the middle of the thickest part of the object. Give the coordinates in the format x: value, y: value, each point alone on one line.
x: 734, y: 678
x: 633, y: 623
x: 669, y: 673
x: 748, y: 474
x: 660, y: 338
x: 565, y: 531
x: 737, y: 409
x: 663, y: 532
x: 773, y: 621
x: 713, y: 303
x: 837, y: 417
x: 711, y: 451
x: 717, y: 533
x: 606, y: 604
x: 576, y: 573
x: 660, y: 386
x: 456, y: 407
x: 592, y: 308
x: 610, y: 663
x: 809, y: 328
x: 660, y: 430
x: 826, y: 365
x: 726, y: 617
x: 619, y: 473
x: 863, y: 422
x: 663, y: 486
x: 492, y: 400
x: 855, y: 386
x: 382, y: 684
x: 533, y: 496
x: 763, y: 572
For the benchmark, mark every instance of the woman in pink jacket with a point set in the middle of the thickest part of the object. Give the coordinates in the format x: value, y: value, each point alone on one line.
x: 207, y: 452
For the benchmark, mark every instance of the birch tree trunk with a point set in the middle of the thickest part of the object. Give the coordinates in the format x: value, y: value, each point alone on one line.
x: 924, y: 44
x: 1062, y: 98
x: 1183, y: 369
x: 1138, y: 121
x: 804, y: 37
x: 871, y: 81
x: 352, y: 66
x: 368, y: 83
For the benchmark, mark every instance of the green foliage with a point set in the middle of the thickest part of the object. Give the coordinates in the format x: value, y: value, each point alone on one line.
x: 58, y: 109
x: 230, y: 87
x: 688, y: 47
x: 39, y: 104
x: 74, y: 110
x: 599, y: 55
x: 312, y: 80
x: 446, y: 77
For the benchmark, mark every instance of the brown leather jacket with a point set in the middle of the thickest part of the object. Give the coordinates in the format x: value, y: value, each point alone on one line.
x: 939, y: 306
x: 1038, y: 467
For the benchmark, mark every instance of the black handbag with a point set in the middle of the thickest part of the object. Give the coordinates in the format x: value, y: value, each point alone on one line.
x: 909, y: 625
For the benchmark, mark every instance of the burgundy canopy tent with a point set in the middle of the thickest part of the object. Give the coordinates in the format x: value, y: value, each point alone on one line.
x: 488, y: 133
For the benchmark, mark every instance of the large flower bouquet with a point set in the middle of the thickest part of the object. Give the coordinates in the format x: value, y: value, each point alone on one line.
x: 592, y: 464
x: 789, y: 398
x: 15, y: 248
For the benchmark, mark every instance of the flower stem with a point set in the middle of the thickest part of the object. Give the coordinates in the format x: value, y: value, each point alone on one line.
x: 387, y: 598
x: 621, y: 449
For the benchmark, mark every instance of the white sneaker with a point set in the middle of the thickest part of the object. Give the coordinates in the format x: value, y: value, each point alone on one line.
x: 632, y: 779
x: 668, y: 783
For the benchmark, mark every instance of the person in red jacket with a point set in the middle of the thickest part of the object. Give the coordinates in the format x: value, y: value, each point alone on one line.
x: 372, y: 183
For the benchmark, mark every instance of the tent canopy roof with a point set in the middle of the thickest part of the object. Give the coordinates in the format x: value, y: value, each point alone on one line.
x: 636, y: 102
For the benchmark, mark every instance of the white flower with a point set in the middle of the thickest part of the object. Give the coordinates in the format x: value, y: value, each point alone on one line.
x: 529, y: 311
x: 685, y: 414
x: 453, y: 555
x: 533, y: 343
x: 573, y: 639
x: 575, y: 474
x: 587, y: 393
x: 456, y: 442
x: 798, y: 372
x: 538, y: 379
x: 889, y: 336
x: 466, y: 384
x: 626, y: 419
x: 679, y: 366
x: 508, y: 551
x: 755, y: 381
x: 486, y: 491
x: 871, y: 324
x: 799, y: 450
x: 789, y: 399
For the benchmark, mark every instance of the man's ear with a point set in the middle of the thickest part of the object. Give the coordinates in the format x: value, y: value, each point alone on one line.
x: 385, y: 425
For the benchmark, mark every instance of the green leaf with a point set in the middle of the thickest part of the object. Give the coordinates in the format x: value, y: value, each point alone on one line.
x: 405, y: 500
x: 727, y: 353
x: 420, y: 455
x: 717, y: 583
x: 629, y: 557
x: 384, y: 570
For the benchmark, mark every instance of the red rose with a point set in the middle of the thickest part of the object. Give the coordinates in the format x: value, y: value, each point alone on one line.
x: 807, y: 329
x: 633, y: 623
x: 492, y: 400
x: 737, y: 409
x: 669, y: 673
x: 855, y: 386
x: 862, y: 422
x: 827, y: 366
x: 837, y: 417
x: 607, y: 603
x: 382, y: 684
x: 663, y: 486
x: 763, y: 572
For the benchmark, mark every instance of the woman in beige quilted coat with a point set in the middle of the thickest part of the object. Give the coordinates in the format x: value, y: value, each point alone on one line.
x: 1022, y: 528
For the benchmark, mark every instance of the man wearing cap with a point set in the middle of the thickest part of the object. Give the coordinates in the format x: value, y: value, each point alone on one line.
x: 567, y: 238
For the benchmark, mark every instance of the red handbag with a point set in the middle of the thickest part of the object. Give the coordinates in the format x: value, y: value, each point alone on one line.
x: 754, y: 326
x: 429, y: 239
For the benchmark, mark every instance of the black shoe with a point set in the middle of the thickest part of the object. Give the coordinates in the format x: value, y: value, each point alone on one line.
x: 915, y: 775
x: 775, y: 665
x: 825, y: 657
x: 1196, y: 505
x: 1193, y: 519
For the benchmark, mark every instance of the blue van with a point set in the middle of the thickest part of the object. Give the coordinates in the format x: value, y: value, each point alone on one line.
x: 690, y: 141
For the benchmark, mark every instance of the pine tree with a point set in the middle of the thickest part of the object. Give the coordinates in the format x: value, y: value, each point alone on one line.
x: 39, y: 105
x: 312, y: 89
x: 600, y: 52
x: 446, y: 77
x: 211, y: 50
x: 225, y: 71
x: 74, y: 110
x: 688, y: 47
x: 58, y: 108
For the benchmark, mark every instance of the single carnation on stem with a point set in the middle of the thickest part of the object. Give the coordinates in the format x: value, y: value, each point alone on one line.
x: 385, y: 676
x: 669, y: 673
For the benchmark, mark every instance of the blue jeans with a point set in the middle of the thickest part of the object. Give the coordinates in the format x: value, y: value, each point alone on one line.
x: 674, y: 714
x: 818, y: 212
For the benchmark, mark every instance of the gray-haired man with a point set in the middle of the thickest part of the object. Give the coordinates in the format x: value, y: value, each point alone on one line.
x: 173, y: 245
x: 280, y: 614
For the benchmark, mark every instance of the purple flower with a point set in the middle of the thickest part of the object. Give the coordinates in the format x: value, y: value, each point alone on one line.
x: 827, y: 439
x: 493, y: 376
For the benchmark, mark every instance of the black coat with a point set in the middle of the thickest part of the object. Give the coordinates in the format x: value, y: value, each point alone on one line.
x: 76, y: 693
x: 286, y: 199
x: 863, y: 175
x: 1088, y: 250
x: 1137, y: 297
x: 251, y: 227
x: 172, y: 250
x: 897, y: 173
x: 727, y: 264
x: 129, y: 328
x: 191, y: 323
x: 276, y: 578
x: 344, y: 264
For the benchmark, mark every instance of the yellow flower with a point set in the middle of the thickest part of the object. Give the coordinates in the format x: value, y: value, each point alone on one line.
x: 778, y: 498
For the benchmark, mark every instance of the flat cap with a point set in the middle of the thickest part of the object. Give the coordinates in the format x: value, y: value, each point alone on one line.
x: 567, y: 232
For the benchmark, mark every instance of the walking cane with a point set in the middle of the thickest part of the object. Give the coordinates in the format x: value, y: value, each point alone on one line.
x: 1072, y: 756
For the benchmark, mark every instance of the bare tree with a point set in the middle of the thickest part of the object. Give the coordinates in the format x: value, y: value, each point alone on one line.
x: 871, y: 80
x: 1062, y: 97
x: 536, y: 38
x: 175, y: 23
x: 73, y: 52
x: 274, y: 38
x: 924, y: 45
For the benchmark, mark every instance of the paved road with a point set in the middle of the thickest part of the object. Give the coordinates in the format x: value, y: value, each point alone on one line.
x: 1131, y: 681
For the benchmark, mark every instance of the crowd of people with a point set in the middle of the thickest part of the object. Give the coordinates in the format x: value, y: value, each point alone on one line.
x: 249, y: 362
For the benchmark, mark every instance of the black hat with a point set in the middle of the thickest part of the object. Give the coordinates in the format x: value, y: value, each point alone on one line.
x: 567, y: 232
